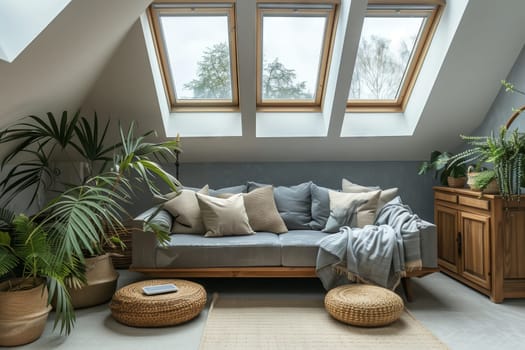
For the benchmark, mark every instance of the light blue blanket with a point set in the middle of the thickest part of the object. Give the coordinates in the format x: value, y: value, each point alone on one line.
x: 373, y: 254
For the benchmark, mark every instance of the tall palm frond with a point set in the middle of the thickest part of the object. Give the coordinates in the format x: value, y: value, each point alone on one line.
x: 37, y: 138
x: 76, y: 219
x: 91, y: 142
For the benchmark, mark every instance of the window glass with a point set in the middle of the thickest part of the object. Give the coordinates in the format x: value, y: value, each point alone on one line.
x: 293, y: 49
x: 385, y: 49
x: 198, y: 55
x: 292, y: 52
x: 392, y: 47
x: 196, y: 48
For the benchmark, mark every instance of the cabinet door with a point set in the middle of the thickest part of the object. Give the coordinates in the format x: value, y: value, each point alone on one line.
x: 475, y: 250
x: 447, y: 232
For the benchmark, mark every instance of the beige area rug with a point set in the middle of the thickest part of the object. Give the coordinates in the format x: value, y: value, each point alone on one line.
x: 302, y: 323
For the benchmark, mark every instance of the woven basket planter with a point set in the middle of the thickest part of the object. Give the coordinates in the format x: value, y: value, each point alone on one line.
x: 122, y: 257
x: 23, y: 313
x: 364, y: 305
x: 101, y: 283
x: 132, y: 307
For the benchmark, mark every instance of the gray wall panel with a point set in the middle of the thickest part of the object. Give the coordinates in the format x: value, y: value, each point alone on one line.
x: 415, y: 190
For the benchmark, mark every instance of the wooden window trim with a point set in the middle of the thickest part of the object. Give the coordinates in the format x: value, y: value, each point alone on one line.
x: 195, y: 8
x: 328, y: 38
x: 417, y: 58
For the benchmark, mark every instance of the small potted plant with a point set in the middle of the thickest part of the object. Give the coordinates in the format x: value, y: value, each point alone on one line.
x: 506, y: 151
x: 449, y: 175
x: 485, y: 181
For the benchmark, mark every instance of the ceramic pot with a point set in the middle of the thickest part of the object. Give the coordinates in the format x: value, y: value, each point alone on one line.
x: 101, y: 283
x: 23, y: 313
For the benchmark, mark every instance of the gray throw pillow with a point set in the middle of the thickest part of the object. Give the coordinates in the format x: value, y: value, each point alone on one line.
x: 320, y: 206
x: 161, y: 218
x: 294, y: 204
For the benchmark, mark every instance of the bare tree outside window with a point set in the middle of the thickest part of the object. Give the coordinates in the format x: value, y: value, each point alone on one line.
x: 383, y: 56
x: 379, y: 69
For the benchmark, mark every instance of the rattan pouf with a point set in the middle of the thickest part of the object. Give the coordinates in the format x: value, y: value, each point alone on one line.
x: 132, y: 307
x: 364, y: 305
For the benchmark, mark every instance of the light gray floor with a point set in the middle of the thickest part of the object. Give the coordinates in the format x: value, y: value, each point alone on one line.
x: 459, y: 316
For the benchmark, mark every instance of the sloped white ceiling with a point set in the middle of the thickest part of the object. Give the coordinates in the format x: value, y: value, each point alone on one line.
x: 58, y: 69
x: 483, y: 50
x: 64, y: 68
x: 22, y: 21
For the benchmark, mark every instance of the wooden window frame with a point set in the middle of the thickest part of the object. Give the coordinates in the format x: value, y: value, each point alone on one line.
x: 197, y: 8
x: 382, y: 8
x: 297, y: 8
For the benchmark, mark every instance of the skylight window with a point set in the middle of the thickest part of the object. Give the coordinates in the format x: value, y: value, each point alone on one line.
x: 196, y: 46
x: 393, y: 42
x: 292, y: 53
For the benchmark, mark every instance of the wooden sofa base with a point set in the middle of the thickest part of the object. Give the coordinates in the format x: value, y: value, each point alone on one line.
x: 261, y: 272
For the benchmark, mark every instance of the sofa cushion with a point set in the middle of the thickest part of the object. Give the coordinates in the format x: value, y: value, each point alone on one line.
x: 320, y: 206
x: 299, y: 247
x: 224, y: 216
x: 259, y: 249
x: 262, y: 211
x: 385, y: 197
x: 351, y: 209
x: 293, y: 204
x: 186, y: 212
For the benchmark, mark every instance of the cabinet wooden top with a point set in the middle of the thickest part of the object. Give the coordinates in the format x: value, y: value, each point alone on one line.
x: 467, y: 192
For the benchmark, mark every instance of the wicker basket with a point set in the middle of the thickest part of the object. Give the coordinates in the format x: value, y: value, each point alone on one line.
x: 121, y: 257
x: 364, y: 305
x: 133, y: 308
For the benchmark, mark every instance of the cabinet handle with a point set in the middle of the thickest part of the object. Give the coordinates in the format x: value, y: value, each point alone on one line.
x: 459, y: 243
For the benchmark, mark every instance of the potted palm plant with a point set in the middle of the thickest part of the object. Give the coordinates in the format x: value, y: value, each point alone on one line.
x: 453, y: 176
x: 31, y: 275
x: 84, y: 215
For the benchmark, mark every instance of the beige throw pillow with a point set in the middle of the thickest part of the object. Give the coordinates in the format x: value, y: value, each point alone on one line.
x: 385, y: 197
x: 262, y: 211
x: 351, y: 209
x: 224, y: 216
x: 186, y: 212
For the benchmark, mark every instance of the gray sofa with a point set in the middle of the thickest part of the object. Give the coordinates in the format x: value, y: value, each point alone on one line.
x: 305, y: 209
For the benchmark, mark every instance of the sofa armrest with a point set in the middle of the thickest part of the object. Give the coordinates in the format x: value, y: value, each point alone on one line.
x: 144, y: 243
x: 161, y: 218
x: 428, y: 241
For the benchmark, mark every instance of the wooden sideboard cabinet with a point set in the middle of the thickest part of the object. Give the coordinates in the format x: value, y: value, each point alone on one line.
x: 481, y: 241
